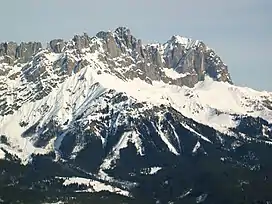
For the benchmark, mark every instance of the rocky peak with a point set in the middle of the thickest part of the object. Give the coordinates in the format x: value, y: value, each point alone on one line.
x: 56, y: 45
x: 180, y: 61
x: 192, y: 59
x: 125, y: 36
x: 123, y: 31
x: 186, y: 55
x: 22, y: 53
x: 119, y: 41
x: 82, y: 41
x: 25, y: 51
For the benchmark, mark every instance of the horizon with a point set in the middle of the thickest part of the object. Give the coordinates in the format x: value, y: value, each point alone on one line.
x: 240, y: 33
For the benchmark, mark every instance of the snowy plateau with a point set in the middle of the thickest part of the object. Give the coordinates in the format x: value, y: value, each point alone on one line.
x: 107, y: 119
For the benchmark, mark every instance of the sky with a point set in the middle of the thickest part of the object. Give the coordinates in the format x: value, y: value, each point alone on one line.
x: 240, y: 31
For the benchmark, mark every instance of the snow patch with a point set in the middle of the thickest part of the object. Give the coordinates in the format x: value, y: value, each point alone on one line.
x: 93, y: 186
x: 196, y: 147
x: 186, y: 193
x: 151, y: 170
x: 201, y: 198
x: 130, y: 136
x: 198, y: 134
x: 171, y: 73
x: 164, y: 137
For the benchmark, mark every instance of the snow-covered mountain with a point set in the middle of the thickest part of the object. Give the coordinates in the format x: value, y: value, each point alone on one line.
x: 119, y: 111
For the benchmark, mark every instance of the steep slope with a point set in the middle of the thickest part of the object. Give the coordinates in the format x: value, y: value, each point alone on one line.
x: 111, y: 114
x: 31, y: 77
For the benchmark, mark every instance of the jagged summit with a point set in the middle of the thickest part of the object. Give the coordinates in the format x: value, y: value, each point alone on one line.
x: 188, y: 57
x: 123, y: 31
x: 11, y: 52
x: 36, y: 71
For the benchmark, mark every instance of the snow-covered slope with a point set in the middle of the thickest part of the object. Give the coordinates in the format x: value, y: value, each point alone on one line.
x: 209, y: 102
x: 95, y: 97
x: 46, y: 88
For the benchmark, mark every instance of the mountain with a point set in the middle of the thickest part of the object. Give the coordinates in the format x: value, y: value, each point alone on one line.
x: 111, y: 120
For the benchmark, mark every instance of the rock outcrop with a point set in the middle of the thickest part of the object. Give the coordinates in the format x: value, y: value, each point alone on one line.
x: 185, y: 56
x: 180, y: 61
x: 56, y: 45
x: 11, y: 52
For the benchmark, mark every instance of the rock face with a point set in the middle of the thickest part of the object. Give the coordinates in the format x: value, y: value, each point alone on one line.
x: 179, y: 61
x: 56, y: 45
x: 185, y: 56
x: 22, y: 53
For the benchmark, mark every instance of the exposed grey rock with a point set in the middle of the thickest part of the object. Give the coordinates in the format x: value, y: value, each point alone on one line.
x: 216, y: 68
x: 57, y: 45
x: 8, y: 48
x: 121, y: 54
x: 8, y: 51
x: 196, y: 60
x: 22, y: 53
x: 112, y: 48
x: 25, y: 51
x: 82, y: 41
x: 126, y: 38
x: 174, y: 56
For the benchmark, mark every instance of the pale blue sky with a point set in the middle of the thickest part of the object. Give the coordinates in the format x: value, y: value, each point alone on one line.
x: 240, y: 31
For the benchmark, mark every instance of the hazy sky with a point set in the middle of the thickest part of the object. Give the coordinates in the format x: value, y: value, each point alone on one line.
x: 240, y: 31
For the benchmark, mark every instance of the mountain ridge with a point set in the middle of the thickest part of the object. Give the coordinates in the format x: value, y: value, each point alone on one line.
x: 117, y: 60
x: 110, y: 114
x: 11, y: 52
